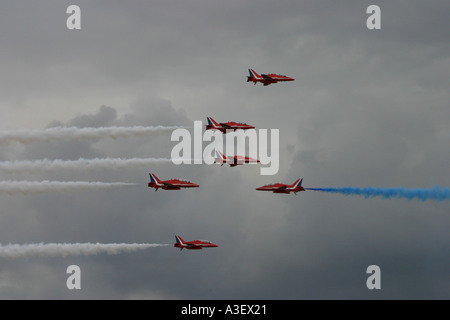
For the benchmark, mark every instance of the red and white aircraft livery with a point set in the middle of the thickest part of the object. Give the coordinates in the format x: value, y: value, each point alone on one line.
x: 234, y: 160
x: 283, y: 188
x: 173, y: 184
x: 227, y: 126
x: 193, y: 245
x: 266, y: 79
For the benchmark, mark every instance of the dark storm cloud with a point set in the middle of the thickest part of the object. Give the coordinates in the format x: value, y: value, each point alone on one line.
x: 381, y: 124
x: 367, y: 108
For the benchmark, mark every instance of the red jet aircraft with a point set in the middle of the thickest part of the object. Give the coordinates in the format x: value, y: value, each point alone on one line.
x: 234, y: 160
x: 193, y: 245
x: 266, y: 79
x: 227, y: 126
x: 173, y: 184
x: 283, y: 188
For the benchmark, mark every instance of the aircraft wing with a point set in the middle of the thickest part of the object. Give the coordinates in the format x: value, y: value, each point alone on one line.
x: 266, y: 77
x: 239, y: 159
x: 225, y: 126
x: 171, y: 186
x: 193, y: 245
x: 281, y: 188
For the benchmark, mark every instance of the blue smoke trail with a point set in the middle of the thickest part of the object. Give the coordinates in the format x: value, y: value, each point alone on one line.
x: 436, y: 193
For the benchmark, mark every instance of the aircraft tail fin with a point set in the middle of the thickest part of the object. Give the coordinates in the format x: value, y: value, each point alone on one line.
x: 179, y: 241
x: 222, y: 158
x: 221, y: 155
x: 154, y: 179
x: 212, y: 122
x: 253, y: 74
x: 297, y: 183
x: 250, y: 76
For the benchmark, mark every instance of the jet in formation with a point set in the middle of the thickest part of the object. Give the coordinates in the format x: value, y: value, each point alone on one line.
x: 233, y: 160
x: 193, y: 245
x: 173, y: 184
x: 227, y: 126
x: 283, y: 188
x: 267, y: 79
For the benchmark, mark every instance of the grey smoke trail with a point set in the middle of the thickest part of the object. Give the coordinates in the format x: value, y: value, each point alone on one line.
x: 12, y: 251
x: 75, y: 133
x: 37, y: 166
x: 26, y: 187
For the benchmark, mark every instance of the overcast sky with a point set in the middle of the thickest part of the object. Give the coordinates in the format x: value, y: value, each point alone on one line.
x: 367, y: 108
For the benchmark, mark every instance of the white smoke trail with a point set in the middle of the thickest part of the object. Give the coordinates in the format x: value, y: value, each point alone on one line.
x: 75, y: 133
x: 38, y: 166
x: 12, y: 251
x: 26, y: 187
